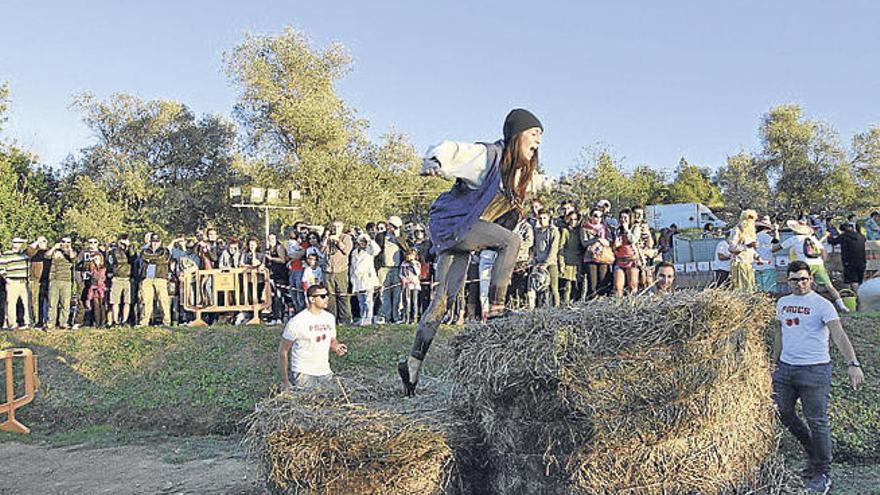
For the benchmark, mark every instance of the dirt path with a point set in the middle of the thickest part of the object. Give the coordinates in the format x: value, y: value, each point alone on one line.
x: 31, y: 469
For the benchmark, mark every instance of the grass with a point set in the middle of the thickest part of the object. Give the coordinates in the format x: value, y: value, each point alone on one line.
x: 180, y: 381
x: 142, y: 386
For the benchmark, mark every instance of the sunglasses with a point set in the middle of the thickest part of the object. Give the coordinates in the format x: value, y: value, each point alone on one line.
x: 596, y: 216
x: 322, y: 296
x: 799, y: 279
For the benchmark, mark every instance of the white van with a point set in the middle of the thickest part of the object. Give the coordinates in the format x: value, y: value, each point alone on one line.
x: 684, y: 215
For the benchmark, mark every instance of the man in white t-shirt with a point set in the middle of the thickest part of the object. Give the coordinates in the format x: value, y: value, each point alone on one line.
x: 805, y: 246
x: 309, y: 337
x: 722, y: 263
x: 803, y: 369
x: 765, y: 268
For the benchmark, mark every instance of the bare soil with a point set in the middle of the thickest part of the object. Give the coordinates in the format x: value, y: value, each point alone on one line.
x: 165, y: 468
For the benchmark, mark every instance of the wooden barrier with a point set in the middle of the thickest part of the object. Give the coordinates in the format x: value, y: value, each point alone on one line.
x: 30, y: 366
x: 226, y: 290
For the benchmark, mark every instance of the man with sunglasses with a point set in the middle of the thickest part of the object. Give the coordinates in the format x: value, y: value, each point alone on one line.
x: 83, y: 279
x: 308, y: 339
x: 803, y: 369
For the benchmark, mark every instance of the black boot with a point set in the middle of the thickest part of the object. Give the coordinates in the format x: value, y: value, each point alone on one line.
x: 409, y: 388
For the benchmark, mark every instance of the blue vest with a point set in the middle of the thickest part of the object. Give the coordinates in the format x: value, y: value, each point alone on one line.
x: 454, y: 212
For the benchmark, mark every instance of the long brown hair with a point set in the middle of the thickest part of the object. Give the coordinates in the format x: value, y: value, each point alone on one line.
x: 511, y: 161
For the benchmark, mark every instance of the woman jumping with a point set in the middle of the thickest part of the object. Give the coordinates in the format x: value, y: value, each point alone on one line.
x: 479, y: 212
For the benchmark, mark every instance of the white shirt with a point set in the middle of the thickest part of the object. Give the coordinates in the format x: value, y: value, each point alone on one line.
x: 804, y: 328
x: 722, y: 248
x: 795, y: 247
x: 311, y: 335
x: 765, y: 251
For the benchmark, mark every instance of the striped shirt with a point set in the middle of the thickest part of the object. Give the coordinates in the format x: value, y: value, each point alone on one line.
x: 14, y: 265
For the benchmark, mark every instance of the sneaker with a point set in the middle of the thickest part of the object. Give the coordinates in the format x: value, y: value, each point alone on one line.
x: 820, y: 484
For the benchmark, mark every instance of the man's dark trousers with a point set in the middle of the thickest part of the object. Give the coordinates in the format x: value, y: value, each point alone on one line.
x: 811, y: 385
x: 337, y: 286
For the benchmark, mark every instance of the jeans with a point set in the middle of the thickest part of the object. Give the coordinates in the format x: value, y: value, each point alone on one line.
x: 390, y: 295
x: 811, y: 385
x: 411, y: 305
x: 452, y: 265
x: 305, y: 382
x: 365, y: 303
x: 294, y: 278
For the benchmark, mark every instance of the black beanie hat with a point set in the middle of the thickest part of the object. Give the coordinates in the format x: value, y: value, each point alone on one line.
x: 519, y: 120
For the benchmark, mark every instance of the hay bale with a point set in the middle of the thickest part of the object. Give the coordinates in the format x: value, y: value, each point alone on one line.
x: 355, y: 439
x: 639, y: 395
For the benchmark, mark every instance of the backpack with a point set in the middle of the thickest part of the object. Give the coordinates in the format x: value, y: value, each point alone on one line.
x: 811, y: 248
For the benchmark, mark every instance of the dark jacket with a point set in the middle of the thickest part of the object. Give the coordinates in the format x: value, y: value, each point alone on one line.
x: 852, y: 248
x: 161, y: 258
x: 121, y: 260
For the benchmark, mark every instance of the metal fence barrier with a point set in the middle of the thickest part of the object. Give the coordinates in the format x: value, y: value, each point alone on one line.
x: 226, y: 290
x: 29, y: 363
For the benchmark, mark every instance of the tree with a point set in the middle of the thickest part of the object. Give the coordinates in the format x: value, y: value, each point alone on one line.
x: 24, y: 214
x: 309, y: 139
x: 163, y: 168
x: 599, y: 176
x: 692, y: 185
x: 866, y: 168
x: 744, y: 184
x: 805, y: 159
x: 27, y: 198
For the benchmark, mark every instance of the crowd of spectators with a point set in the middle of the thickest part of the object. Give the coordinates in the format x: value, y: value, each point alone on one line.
x: 383, y: 272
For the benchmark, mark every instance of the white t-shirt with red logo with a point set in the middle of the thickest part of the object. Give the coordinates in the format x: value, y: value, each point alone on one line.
x: 311, y: 335
x: 804, y: 321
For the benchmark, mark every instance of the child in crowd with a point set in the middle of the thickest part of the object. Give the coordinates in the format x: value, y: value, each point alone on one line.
x: 410, y: 269
x: 312, y: 273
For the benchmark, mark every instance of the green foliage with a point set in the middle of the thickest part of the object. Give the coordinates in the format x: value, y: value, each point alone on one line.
x: 599, y: 176
x: 866, y: 168
x: 184, y: 380
x: 806, y: 160
x: 90, y: 213
x: 744, y: 183
x: 160, y: 168
x: 308, y: 139
x: 24, y: 213
x: 692, y: 185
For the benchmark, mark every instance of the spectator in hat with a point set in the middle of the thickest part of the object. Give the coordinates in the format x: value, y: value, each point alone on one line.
x: 14, y: 271
x: 805, y: 246
x: 607, y: 217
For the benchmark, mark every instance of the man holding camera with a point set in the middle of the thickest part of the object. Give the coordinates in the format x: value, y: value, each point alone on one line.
x: 337, y: 247
x: 120, y: 259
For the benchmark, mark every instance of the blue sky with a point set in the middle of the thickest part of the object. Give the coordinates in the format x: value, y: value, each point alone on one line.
x: 654, y: 81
